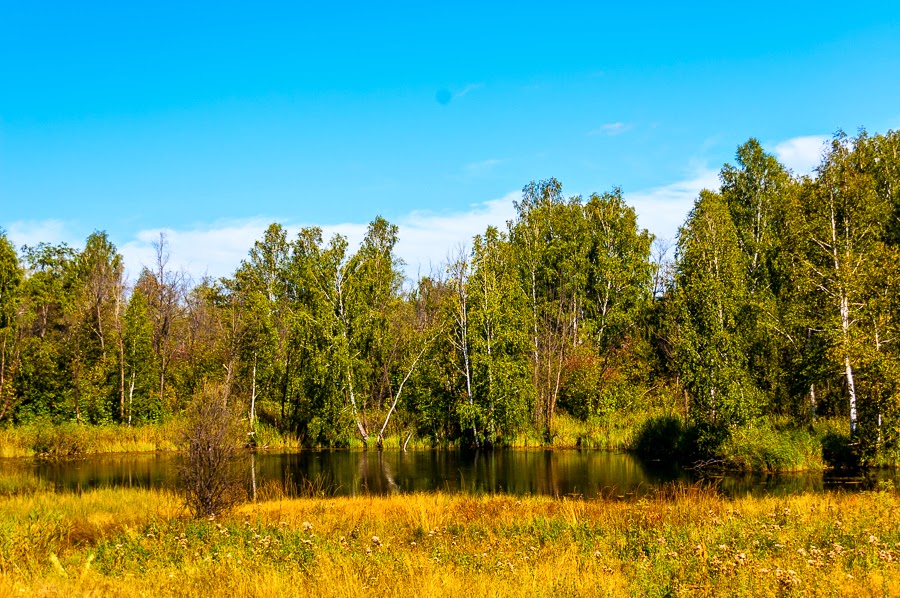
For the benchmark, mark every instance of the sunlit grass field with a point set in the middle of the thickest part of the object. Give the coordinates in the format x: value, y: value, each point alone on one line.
x: 681, y: 542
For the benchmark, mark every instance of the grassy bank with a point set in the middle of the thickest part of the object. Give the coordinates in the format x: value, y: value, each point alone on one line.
x: 770, y: 445
x: 44, y: 439
x: 137, y: 542
x: 50, y: 440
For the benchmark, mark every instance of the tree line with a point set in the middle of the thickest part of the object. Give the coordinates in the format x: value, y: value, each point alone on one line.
x: 780, y: 300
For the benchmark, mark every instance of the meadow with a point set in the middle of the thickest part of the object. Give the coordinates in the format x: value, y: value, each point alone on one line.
x: 693, y: 541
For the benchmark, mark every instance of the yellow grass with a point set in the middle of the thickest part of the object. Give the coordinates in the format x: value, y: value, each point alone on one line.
x: 138, y: 542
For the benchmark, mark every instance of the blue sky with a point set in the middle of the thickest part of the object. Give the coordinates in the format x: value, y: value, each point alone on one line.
x: 211, y: 120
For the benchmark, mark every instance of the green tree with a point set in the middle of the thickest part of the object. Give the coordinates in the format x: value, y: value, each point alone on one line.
x: 613, y: 336
x: 94, y: 318
x: 263, y: 284
x: 551, y: 260
x: 846, y: 219
x: 50, y: 367
x: 711, y: 294
x: 761, y: 199
x: 142, y: 403
x: 502, y: 395
x: 11, y: 276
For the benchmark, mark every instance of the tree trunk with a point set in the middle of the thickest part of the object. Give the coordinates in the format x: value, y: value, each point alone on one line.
x: 131, y: 398
x: 253, y: 394
x: 390, y: 412
x: 121, y: 348
x: 4, y: 403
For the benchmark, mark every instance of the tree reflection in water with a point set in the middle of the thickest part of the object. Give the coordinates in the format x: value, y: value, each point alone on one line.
x: 557, y: 473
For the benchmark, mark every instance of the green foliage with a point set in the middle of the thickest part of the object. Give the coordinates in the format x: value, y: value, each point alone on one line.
x: 771, y: 448
x: 663, y: 437
x: 11, y: 276
x: 502, y: 397
x: 142, y: 402
x: 711, y: 294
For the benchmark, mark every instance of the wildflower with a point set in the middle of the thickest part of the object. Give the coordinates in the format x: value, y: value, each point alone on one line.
x: 376, y: 540
x: 307, y: 526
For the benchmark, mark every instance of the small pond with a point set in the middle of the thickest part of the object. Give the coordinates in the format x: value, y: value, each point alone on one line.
x: 558, y: 473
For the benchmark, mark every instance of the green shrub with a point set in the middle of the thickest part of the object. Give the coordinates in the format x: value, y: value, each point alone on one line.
x: 663, y: 436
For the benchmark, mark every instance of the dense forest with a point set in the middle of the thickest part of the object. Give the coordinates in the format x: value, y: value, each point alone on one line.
x: 778, y: 302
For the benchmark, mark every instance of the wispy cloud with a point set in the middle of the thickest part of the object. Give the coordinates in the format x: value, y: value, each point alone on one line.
x: 481, y: 168
x: 661, y: 210
x: 801, y: 154
x: 610, y: 129
x: 467, y: 90
x: 444, y: 96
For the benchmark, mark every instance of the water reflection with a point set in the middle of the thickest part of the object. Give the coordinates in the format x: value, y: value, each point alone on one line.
x: 556, y: 473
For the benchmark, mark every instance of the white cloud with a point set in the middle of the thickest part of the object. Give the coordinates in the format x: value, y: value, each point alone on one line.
x: 801, y: 154
x: 218, y: 249
x: 611, y: 129
x: 215, y: 250
x: 661, y: 210
x: 426, y: 239
x: 32, y: 232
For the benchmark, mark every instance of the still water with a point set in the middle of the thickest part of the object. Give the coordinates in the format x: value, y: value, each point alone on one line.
x: 558, y: 473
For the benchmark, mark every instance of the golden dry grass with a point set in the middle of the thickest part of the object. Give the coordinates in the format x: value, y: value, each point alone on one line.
x: 136, y: 543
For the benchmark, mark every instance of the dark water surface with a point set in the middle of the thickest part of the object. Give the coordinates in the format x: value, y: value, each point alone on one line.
x: 582, y: 473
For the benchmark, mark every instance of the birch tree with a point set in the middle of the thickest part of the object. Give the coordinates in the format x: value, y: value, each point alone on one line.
x: 846, y: 218
x: 711, y: 291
